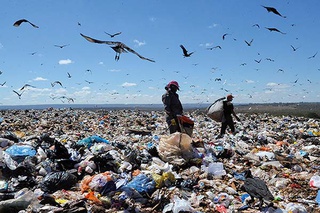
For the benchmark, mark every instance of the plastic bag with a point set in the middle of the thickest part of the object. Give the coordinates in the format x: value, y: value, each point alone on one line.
x: 176, y: 148
x: 58, y: 180
x: 215, y: 110
x: 143, y: 184
x: 89, y: 141
x: 20, y: 152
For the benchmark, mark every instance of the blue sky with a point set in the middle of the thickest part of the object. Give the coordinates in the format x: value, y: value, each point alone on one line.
x: 267, y: 71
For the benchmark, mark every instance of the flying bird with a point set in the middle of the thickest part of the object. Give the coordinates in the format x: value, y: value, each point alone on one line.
x: 211, y: 48
x: 56, y: 82
x: 118, y: 47
x: 113, y: 35
x: 69, y: 75
x: 25, y: 86
x: 274, y: 29
x: 256, y: 25
x: 273, y: 10
x: 249, y: 43
x: 313, y: 55
x: 293, y: 48
x: 3, y: 84
x: 19, y: 94
x: 258, y: 61
x: 224, y: 36
x: 17, y: 23
x: 256, y: 188
x: 185, y: 51
x: 61, y: 46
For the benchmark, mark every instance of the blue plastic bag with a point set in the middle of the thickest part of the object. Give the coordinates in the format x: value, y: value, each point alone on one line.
x: 142, y: 183
x: 20, y: 152
x: 89, y: 141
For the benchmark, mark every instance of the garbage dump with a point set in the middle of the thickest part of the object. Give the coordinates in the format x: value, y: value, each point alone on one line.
x: 72, y: 160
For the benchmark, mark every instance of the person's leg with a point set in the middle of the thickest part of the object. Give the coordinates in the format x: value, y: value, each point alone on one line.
x: 223, y: 128
x: 231, y: 125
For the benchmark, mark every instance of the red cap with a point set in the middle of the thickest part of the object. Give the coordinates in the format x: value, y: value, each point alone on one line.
x: 229, y: 97
x: 173, y: 83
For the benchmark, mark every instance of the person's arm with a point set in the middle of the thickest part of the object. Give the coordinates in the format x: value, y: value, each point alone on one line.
x: 167, y: 102
x: 235, y: 115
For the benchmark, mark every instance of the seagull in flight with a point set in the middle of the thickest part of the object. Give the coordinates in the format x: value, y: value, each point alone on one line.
x: 273, y: 10
x: 248, y: 42
x: 61, y: 46
x: 118, y: 47
x: 274, y: 29
x: 185, y: 51
x: 113, y: 35
x: 25, y: 86
x: 56, y: 82
x: 17, y: 23
x: 313, y: 55
x: 19, y: 94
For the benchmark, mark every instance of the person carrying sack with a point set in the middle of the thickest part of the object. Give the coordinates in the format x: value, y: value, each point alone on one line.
x: 172, y: 106
x: 227, y: 120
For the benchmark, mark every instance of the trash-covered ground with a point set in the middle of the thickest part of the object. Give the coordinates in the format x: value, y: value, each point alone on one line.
x: 69, y: 160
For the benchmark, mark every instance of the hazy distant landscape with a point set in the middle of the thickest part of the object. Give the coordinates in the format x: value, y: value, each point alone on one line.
x: 311, y: 110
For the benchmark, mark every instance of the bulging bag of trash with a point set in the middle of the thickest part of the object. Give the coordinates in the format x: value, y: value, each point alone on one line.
x: 176, y: 148
x: 215, y: 110
x: 55, y: 181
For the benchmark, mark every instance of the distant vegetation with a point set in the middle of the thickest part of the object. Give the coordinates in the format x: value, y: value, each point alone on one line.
x: 309, y: 110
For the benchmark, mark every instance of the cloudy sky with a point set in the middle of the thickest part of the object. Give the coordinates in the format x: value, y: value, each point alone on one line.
x: 238, y: 47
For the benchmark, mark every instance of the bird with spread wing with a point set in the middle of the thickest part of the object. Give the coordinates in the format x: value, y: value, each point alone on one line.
x: 118, y: 47
x: 17, y: 23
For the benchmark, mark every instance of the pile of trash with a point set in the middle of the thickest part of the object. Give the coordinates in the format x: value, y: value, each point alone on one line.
x: 72, y: 160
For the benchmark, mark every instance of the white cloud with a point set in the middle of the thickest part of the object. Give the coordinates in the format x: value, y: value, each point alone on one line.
x: 127, y: 84
x: 249, y: 81
x: 213, y: 25
x: 139, y: 43
x: 65, y: 61
x: 114, y: 70
x: 40, y: 79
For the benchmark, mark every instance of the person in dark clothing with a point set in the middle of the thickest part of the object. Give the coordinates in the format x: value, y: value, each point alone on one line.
x: 172, y: 106
x: 227, y: 120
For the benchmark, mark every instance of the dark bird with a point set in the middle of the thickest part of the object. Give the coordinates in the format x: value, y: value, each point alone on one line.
x: 293, y: 48
x: 19, y: 94
x: 89, y: 82
x: 1, y: 72
x: 61, y: 46
x: 313, y: 55
x: 79, y: 24
x: 211, y: 48
x: 118, y: 47
x: 3, y: 84
x: 256, y: 25
x: 273, y: 10
x: 249, y: 43
x: 274, y: 29
x: 269, y: 59
x: 224, y: 36
x: 113, y: 35
x: 69, y: 75
x: 256, y: 188
x: 185, y: 51
x: 17, y: 23
x: 56, y: 82
x: 25, y: 86
x: 258, y: 61
x: 217, y: 79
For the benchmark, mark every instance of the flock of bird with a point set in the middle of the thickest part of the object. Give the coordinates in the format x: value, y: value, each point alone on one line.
x: 120, y: 47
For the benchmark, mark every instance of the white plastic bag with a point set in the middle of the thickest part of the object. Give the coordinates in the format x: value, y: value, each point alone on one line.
x: 215, y: 110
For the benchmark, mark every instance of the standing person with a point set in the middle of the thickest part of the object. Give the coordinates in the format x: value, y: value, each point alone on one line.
x: 172, y: 106
x: 228, y: 110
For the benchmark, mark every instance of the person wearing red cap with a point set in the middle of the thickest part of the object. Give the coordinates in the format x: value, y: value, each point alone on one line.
x: 227, y: 120
x: 172, y: 106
